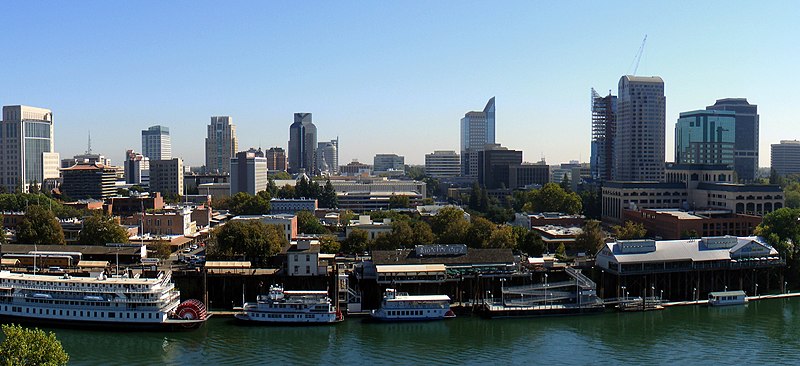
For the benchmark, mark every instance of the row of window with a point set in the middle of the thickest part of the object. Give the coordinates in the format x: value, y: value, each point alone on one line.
x: 406, y: 312
x: 80, y: 313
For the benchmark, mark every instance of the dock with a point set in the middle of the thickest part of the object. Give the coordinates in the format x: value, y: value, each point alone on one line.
x: 749, y: 298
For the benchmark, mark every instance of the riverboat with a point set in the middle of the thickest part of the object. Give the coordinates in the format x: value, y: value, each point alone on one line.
x: 97, y: 301
x: 724, y: 298
x: 400, y: 306
x: 291, y: 307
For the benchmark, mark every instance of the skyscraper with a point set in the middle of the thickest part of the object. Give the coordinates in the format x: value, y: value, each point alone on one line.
x: 705, y: 137
x: 495, y: 164
x: 248, y: 172
x: 442, y: 164
x: 328, y: 157
x: 26, y: 147
x: 166, y: 176
x: 302, y: 144
x: 137, y: 169
x: 221, y: 144
x: 276, y: 159
x: 745, y: 159
x: 785, y: 157
x: 156, y: 144
x: 641, y: 127
x: 604, y: 128
x: 477, y: 130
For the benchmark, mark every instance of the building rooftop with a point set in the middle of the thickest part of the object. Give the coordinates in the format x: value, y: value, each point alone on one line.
x: 646, y: 185
x: 473, y: 256
x: 733, y: 187
x: 694, y: 250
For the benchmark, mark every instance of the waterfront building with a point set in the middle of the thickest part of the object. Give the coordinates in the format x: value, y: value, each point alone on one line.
x: 276, y: 159
x: 355, y: 168
x: 639, y: 142
x: 494, y: 166
x: 477, y: 130
x: 137, y: 169
x: 27, y: 143
x: 433, y: 263
x: 388, y: 162
x: 248, y: 173
x: 156, y: 143
x: 302, y: 144
x: 442, y: 164
x: 328, y: 157
x: 303, y: 258
x: 705, y: 137
x: 675, y: 223
x: 288, y: 223
x: 785, y: 157
x: 89, y: 180
x: 746, y: 146
x: 221, y: 144
x: 604, y: 128
x: 292, y: 206
x: 166, y: 176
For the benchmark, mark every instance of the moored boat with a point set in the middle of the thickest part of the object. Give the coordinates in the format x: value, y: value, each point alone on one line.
x: 400, y: 306
x: 724, y: 298
x: 291, y: 307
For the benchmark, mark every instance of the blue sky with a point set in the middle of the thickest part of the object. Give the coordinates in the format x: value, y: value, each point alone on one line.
x: 385, y: 77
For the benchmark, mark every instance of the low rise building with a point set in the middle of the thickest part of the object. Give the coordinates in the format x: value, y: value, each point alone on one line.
x: 125, y: 206
x: 424, y: 263
x: 168, y: 221
x: 303, y: 258
x: 372, y: 228
x: 679, y: 224
x: 292, y: 205
x: 287, y: 222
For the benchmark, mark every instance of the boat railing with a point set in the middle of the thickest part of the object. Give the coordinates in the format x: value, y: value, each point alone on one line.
x: 92, y: 290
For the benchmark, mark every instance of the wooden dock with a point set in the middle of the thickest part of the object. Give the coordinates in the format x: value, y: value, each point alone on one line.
x: 749, y: 298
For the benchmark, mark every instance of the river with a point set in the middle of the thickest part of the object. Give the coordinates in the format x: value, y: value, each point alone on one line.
x: 761, y: 332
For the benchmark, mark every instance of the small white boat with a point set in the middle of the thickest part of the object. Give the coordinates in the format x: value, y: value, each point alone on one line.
x: 291, y: 307
x: 400, y: 306
x: 723, y: 298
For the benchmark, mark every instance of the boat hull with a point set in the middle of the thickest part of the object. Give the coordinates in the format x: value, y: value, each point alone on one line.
x: 169, y: 325
x: 246, y: 320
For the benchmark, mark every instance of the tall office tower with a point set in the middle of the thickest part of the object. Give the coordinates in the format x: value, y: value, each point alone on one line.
x: 442, y: 164
x: 785, y: 157
x: 745, y: 150
x: 137, y: 169
x: 156, y: 144
x: 26, y: 147
x: 166, y: 176
x: 276, y: 159
x: 302, y: 144
x: 705, y: 137
x: 386, y: 162
x: 221, y: 144
x: 641, y: 129
x: 494, y: 166
x: 248, y: 172
x: 477, y: 130
x: 328, y: 157
x: 604, y: 128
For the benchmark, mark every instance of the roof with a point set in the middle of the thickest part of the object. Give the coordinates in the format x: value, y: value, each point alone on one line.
x: 691, y: 250
x: 732, y: 187
x: 9, y: 261
x: 292, y: 248
x: 126, y: 249
x: 644, y: 79
x: 646, y: 185
x: 726, y: 293
x: 676, y: 166
x: 473, y: 256
x: 420, y: 298
x: 227, y: 264
x: 410, y: 268
x: 93, y: 264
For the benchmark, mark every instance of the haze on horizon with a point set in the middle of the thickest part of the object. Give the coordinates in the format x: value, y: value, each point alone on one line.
x: 385, y: 77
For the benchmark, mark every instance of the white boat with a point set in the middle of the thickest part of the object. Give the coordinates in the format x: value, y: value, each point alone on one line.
x: 723, y: 298
x: 291, y: 307
x: 97, y: 301
x: 400, y: 306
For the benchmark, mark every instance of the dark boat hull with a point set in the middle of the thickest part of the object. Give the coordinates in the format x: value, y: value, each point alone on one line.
x: 169, y: 325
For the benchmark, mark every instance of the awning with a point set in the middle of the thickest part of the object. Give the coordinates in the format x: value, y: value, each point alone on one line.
x: 92, y: 264
x: 227, y: 264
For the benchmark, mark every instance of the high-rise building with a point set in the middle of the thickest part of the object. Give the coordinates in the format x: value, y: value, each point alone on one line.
x: 705, y: 137
x: 785, y: 157
x: 387, y: 162
x: 604, y: 128
x: 166, y: 176
x: 442, y: 164
x: 477, y: 130
x: 89, y: 180
x: 494, y: 166
x: 221, y: 144
x: 302, y: 144
x: 328, y: 157
x: 527, y: 175
x: 276, y: 159
x: 248, y: 173
x: 26, y: 142
x: 745, y: 159
x: 156, y: 144
x: 639, y: 142
x: 137, y: 169
x: 87, y: 157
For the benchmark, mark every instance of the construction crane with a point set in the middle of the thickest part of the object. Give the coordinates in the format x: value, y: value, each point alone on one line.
x: 638, y: 56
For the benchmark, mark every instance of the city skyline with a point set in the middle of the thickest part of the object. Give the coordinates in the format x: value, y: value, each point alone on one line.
x: 131, y: 78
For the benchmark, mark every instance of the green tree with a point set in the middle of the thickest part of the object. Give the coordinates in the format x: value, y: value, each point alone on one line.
x: 2, y: 232
x: 272, y: 188
x: 161, y: 249
x: 775, y: 178
x: 532, y: 244
x: 287, y: 191
x: 415, y: 172
x: 502, y: 237
x: 566, y: 185
x: 40, y: 226
x: 422, y: 233
x: 629, y: 231
x: 399, y: 201
x: 307, y: 223
x: 450, y: 226
x: 592, y: 203
x: 781, y: 229
x: 254, y: 239
x: 328, y: 197
x: 329, y: 244
x: 552, y: 198
x: 591, y: 239
x: 479, y: 232
x: 303, y: 188
x: 243, y: 203
x: 281, y: 176
x: 561, y: 251
x: 101, y: 229
x: 356, y: 242
x: 24, y: 346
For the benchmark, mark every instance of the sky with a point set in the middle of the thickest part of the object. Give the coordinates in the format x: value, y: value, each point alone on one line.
x: 386, y: 77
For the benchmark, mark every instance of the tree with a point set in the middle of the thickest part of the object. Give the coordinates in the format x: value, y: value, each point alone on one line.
x: 415, y: 172
x: 450, y: 226
x: 329, y: 244
x: 100, y: 229
x: 475, y: 197
x: 561, y: 251
x: 161, y: 249
x: 502, y: 237
x: 565, y: 183
x: 31, y: 347
x: 254, y: 239
x: 307, y: 223
x: 592, y: 202
x: 781, y: 230
x: 243, y: 203
x: 287, y: 191
x: 399, y: 201
x: 792, y: 198
x: 272, y: 188
x: 356, y: 242
x: 629, y: 231
x: 40, y: 226
x: 776, y: 178
x: 532, y: 244
x: 328, y: 197
x: 303, y: 188
x: 551, y: 198
x: 479, y: 232
x: 2, y: 232
x: 422, y: 233
x: 591, y: 239
x: 281, y: 176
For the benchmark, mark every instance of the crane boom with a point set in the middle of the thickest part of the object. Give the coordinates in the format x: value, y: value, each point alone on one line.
x: 639, y: 55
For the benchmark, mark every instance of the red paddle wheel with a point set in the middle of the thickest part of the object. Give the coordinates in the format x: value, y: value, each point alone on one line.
x: 191, y: 310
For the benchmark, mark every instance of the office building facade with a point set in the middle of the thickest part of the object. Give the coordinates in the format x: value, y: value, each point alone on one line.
x: 26, y: 141
x: 248, y: 173
x: 328, y: 157
x: 276, y: 159
x: 494, y: 166
x: 89, y: 180
x: 785, y: 157
x: 221, y: 144
x: 745, y: 160
x: 166, y: 176
x: 302, y: 144
x: 137, y: 169
x: 156, y: 144
x: 442, y: 164
x: 705, y: 137
x: 477, y: 130
x: 604, y: 129
x: 387, y: 162
x: 639, y: 142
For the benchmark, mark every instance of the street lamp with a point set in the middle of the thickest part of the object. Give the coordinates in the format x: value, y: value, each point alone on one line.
x: 653, y: 288
x: 624, y: 297
x: 694, y: 293
x: 661, y: 297
x: 756, y: 289
x: 503, y: 291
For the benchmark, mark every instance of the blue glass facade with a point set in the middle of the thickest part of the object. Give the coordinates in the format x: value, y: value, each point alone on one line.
x: 705, y: 137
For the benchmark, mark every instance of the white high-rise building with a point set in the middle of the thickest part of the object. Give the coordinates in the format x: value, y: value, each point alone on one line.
x: 328, y: 157
x: 477, y: 130
x: 248, y: 172
x: 137, y: 169
x: 221, y: 144
x: 442, y: 164
x: 639, y: 145
x: 26, y: 147
x: 156, y: 144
